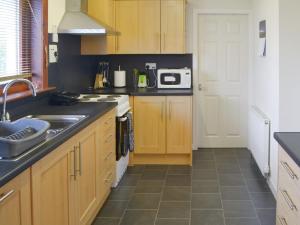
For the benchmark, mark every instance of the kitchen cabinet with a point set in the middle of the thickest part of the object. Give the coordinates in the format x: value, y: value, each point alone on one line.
x: 15, y: 201
x: 127, y: 25
x: 104, y: 12
x: 162, y: 129
x: 149, y: 125
x: 149, y: 26
x: 172, y: 26
x: 179, y: 124
x: 67, y: 184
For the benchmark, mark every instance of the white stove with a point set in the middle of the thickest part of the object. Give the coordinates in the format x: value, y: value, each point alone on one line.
x: 122, y: 100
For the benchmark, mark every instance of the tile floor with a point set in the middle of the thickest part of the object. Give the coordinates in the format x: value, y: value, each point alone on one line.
x: 224, y: 187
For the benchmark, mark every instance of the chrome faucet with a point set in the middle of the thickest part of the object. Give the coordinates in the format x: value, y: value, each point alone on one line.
x: 5, y: 115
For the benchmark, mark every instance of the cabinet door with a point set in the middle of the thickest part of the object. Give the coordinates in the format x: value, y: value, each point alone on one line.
x: 53, y: 188
x: 127, y: 25
x: 15, y: 203
x: 149, y: 26
x: 179, y: 124
x: 86, y: 191
x: 173, y: 26
x: 149, y: 125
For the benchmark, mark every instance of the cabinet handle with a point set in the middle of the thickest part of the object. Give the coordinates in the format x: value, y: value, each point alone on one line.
x: 288, y: 200
x: 282, y: 221
x: 107, y: 121
x: 289, y: 170
x: 108, y: 156
x: 80, y: 159
x: 4, y: 196
x: 108, y: 139
x: 74, y: 162
x: 108, y: 178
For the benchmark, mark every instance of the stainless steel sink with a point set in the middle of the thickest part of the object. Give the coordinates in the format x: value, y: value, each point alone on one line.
x: 58, y: 125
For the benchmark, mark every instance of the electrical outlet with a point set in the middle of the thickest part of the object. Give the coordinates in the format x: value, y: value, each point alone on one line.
x: 150, y: 66
x: 53, y: 55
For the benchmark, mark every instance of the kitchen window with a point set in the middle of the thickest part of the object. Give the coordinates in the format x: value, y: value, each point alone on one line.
x: 22, y: 41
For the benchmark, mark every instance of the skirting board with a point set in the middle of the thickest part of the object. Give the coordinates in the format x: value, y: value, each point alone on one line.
x: 162, y: 159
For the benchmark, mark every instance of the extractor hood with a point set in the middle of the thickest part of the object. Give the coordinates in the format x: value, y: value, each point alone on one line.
x: 76, y: 21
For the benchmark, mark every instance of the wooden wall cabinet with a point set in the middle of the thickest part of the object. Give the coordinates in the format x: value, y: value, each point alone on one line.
x: 162, y: 126
x: 67, y: 184
x: 15, y: 201
x: 172, y: 26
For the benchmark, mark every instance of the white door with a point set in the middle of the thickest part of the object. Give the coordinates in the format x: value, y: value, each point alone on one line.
x: 223, y: 80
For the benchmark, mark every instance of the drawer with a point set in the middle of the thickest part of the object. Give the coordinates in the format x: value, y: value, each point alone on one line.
x: 290, y: 168
x: 284, y: 216
x: 288, y: 193
x: 109, y: 161
x: 109, y: 178
x: 108, y: 121
x: 108, y: 144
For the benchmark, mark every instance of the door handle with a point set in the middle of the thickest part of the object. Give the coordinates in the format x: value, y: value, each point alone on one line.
x: 3, y: 196
x: 200, y: 88
x: 289, y: 170
x: 282, y: 221
x: 80, y: 159
x: 74, y: 162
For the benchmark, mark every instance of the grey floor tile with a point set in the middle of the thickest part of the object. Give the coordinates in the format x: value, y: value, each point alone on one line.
x: 178, y: 180
x: 207, y: 217
x: 231, y: 180
x: 247, y: 163
x: 204, y: 156
x: 174, y: 210
x: 176, y: 194
x: 144, y: 201
x: 204, y: 186
x: 154, y: 174
x: 264, y: 200
x: 238, y: 209
x: 139, y: 217
x: 204, y: 175
x: 121, y: 193
x: 179, y: 170
x: 149, y: 186
x: 113, y: 209
x: 228, y: 168
x: 225, y: 151
x: 206, y: 201
x: 204, y: 165
x: 106, y: 221
x: 199, y: 150
x: 156, y: 167
x: 234, y: 193
x: 267, y: 216
x: 172, y: 222
x: 139, y: 169
x: 130, y: 180
x: 257, y: 185
x: 252, y: 173
x: 242, y: 221
x: 226, y: 159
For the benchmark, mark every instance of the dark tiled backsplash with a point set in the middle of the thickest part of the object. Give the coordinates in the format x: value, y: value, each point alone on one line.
x: 74, y: 72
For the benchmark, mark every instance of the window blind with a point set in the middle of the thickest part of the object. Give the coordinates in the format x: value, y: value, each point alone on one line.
x: 16, y: 17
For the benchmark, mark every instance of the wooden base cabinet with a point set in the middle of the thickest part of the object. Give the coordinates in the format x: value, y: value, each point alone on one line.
x: 15, y: 202
x: 162, y: 130
x: 68, y: 184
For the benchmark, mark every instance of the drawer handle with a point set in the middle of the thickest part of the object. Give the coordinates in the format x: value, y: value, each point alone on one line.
x: 288, y: 200
x: 108, y: 178
x: 108, y: 156
x: 5, y: 196
x: 289, y: 170
x: 282, y: 221
x: 107, y: 121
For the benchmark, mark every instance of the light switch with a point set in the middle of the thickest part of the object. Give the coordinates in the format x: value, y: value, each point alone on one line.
x: 53, y: 55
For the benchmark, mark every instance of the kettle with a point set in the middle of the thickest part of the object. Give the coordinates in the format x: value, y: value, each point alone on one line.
x: 142, y: 80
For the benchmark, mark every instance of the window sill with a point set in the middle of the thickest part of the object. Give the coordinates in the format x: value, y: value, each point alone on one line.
x: 25, y: 94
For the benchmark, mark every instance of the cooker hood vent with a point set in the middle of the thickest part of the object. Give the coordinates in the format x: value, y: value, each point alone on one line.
x: 76, y: 21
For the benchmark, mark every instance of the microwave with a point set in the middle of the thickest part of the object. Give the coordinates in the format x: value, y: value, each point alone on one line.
x: 174, y: 78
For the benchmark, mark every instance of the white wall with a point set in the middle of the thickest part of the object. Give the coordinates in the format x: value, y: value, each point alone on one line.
x: 56, y: 10
x: 264, y: 92
x: 289, y: 65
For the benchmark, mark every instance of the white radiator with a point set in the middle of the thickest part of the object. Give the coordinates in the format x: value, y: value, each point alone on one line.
x: 259, y: 139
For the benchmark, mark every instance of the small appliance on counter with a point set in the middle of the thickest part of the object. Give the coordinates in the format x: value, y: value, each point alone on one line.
x: 120, y: 78
x: 101, y: 79
x: 174, y: 78
x: 142, y: 80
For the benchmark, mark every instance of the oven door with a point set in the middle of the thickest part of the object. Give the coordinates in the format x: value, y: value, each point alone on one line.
x: 122, y: 137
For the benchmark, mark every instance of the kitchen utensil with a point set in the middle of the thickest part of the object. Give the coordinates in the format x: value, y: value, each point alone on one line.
x: 120, y: 78
x: 142, y: 83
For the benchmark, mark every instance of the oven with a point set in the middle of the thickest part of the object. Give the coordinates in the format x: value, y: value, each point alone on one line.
x: 122, y: 134
x: 174, y: 78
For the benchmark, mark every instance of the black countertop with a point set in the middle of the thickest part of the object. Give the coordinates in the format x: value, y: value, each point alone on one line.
x: 144, y: 91
x: 10, y: 169
x: 290, y: 142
